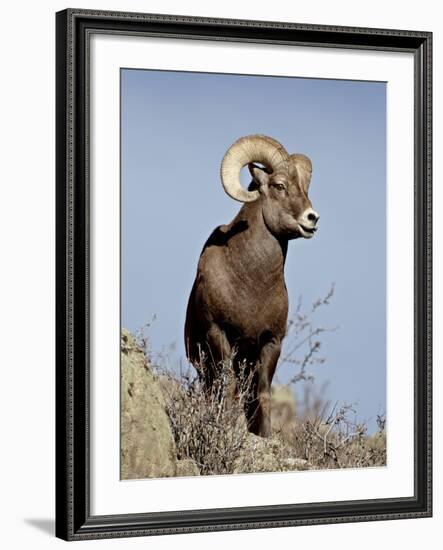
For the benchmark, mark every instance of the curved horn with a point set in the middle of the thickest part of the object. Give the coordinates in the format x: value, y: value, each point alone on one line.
x: 303, y: 166
x: 255, y: 148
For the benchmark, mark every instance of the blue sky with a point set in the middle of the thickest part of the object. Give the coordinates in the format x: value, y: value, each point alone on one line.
x: 176, y: 127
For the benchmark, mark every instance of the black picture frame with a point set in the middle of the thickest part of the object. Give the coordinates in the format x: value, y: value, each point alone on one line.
x: 73, y: 518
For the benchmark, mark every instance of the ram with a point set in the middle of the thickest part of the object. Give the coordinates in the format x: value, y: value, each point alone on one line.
x: 238, y: 306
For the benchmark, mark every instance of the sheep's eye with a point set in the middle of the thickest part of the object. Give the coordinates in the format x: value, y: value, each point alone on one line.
x: 279, y: 186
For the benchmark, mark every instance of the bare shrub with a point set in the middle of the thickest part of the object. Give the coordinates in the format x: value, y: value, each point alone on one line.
x: 141, y: 337
x: 209, y: 426
x: 327, y: 437
x: 333, y: 439
x: 302, y: 343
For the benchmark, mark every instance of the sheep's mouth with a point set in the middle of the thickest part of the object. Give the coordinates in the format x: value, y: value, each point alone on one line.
x: 307, y: 232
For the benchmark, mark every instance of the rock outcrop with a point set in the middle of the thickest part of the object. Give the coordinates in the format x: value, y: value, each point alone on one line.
x: 283, y: 408
x: 186, y: 467
x: 267, y: 455
x: 147, y: 443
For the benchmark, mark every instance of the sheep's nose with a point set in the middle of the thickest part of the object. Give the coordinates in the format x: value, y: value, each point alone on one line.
x: 313, y: 216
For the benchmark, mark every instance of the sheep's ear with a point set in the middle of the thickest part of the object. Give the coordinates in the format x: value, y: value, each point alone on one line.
x: 304, y: 169
x: 259, y: 175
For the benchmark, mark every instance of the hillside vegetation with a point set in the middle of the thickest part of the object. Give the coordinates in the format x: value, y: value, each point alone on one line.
x: 170, y: 427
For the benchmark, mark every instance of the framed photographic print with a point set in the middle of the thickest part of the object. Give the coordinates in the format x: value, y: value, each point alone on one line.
x: 243, y: 274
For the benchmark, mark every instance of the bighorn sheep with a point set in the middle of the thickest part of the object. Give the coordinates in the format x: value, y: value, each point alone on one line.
x: 238, y: 306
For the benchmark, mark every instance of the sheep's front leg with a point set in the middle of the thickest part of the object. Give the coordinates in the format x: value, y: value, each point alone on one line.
x: 258, y: 408
x: 217, y: 350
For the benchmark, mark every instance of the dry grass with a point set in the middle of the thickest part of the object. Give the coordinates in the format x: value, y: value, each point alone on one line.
x: 208, y: 426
